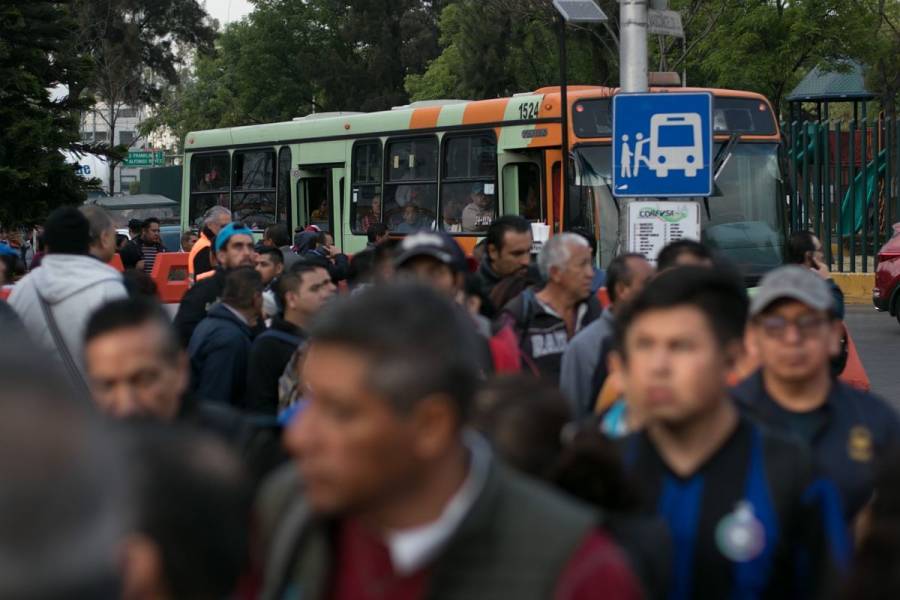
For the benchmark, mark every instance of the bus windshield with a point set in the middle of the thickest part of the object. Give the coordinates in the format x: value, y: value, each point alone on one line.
x: 743, y: 221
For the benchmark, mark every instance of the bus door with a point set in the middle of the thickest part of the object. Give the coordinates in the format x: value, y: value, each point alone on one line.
x: 319, y: 193
x: 521, y: 177
x: 553, y: 189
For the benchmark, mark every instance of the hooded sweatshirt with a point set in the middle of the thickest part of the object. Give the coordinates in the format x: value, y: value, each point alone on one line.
x: 74, y: 286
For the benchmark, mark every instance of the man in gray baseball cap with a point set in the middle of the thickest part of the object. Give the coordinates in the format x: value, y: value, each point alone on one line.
x: 794, y: 331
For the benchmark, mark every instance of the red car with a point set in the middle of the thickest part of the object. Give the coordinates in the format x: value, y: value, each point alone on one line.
x: 886, y: 294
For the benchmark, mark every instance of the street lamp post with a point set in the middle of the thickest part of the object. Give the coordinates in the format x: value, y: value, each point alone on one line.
x: 572, y: 11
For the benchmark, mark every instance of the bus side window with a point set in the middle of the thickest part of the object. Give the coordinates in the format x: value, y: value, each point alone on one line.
x: 469, y: 183
x: 283, y: 207
x: 410, y: 190
x: 522, y: 191
x: 210, y: 183
x: 365, y: 180
x: 253, y: 191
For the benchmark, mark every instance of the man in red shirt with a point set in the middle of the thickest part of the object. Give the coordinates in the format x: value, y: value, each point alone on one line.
x: 398, y: 499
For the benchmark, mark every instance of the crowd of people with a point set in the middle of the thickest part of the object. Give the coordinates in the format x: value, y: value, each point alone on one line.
x: 414, y: 423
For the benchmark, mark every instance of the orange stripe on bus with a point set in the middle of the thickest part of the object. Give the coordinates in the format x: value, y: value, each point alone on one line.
x: 425, y: 118
x: 486, y: 111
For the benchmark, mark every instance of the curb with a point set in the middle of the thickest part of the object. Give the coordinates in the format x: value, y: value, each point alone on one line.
x: 857, y: 287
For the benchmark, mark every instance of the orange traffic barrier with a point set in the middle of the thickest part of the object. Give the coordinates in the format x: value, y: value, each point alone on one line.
x: 170, y: 273
x: 854, y: 373
x: 603, y: 297
x: 116, y: 263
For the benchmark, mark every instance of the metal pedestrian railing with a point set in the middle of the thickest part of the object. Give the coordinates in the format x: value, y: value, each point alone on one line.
x: 843, y: 186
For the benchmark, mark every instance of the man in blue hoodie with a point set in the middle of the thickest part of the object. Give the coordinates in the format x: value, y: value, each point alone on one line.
x: 220, y: 346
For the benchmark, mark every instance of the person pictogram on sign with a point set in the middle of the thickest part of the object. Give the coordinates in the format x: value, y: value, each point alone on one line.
x: 626, y: 158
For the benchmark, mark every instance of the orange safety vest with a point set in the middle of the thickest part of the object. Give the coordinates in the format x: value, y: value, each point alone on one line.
x: 203, y: 243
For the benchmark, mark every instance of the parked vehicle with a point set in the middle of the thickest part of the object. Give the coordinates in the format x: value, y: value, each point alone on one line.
x: 886, y: 293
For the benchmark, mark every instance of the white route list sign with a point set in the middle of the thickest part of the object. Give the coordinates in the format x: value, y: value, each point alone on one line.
x: 653, y: 224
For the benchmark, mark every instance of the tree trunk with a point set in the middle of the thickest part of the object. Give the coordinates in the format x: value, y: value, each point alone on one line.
x: 112, y: 137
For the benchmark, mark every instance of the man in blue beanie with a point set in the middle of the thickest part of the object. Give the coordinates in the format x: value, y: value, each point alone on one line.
x: 234, y: 248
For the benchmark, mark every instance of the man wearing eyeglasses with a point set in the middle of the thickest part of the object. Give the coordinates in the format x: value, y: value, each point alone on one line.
x: 795, y: 331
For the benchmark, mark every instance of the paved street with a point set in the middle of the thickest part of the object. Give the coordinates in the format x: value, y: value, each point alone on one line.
x: 877, y: 337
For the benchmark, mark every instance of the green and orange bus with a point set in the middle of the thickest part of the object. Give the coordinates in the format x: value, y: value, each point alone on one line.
x: 456, y: 165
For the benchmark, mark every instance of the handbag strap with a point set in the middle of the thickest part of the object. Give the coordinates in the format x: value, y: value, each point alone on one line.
x: 60, y: 342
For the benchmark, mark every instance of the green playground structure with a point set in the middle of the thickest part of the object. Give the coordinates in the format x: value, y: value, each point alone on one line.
x: 862, y: 194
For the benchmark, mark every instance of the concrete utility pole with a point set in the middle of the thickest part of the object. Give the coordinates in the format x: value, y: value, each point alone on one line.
x: 633, y: 45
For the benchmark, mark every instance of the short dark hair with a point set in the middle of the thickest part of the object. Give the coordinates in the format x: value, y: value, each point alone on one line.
x: 668, y: 256
x: 291, y: 279
x: 132, y: 313
x: 241, y: 287
x: 499, y: 227
x: 275, y: 254
x: 278, y: 234
x: 718, y: 294
x: 148, y: 222
x: 320, y: 237
x: 618, y: 272
x: 375, y: 231
x: 418, y: 341
x: 67, y: 231
x: 187, y: 485
x: 186, y: 235
x: 362, y: 267
x: 798, y: 245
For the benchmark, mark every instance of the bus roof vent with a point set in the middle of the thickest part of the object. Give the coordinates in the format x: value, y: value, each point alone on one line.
x: 327, y: 115
x: 429, y: 103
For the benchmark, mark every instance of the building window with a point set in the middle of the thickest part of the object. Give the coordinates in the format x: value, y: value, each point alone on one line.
x: 128, y: 112
x: 126, y: 138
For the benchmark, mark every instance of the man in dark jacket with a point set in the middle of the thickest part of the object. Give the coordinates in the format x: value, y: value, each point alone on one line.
x: 746, y: 518
x: 795, y: 330
x: 220, y: 346
x: 138, y: 370
x: 545, y: 321
x: 397, y: 500
x: 508, y: 251
x: 302, y: 291
x: 234, y: 248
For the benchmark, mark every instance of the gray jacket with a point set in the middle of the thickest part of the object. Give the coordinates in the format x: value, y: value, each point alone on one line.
x: 74, y: 286
x: 580, y: 362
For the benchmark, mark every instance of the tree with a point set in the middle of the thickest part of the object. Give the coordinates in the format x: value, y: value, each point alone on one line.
x: 289, y: 58
x: 34, y: 127
x: 135, y: 48
x: 499, y: 47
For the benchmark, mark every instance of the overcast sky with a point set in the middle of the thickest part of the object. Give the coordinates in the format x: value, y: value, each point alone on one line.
x: 227, y: 11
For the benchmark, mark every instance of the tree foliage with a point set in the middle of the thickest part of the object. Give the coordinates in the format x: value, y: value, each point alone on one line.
x: 135, y: 48
x: 34, y: 128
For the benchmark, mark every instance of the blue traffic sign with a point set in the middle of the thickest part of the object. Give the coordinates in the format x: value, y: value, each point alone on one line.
x: 662, y: 145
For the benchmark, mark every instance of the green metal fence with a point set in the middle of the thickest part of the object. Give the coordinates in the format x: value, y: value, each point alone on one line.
x: 843, y: 185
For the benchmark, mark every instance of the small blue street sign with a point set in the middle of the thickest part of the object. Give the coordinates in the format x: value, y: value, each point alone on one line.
x: 662, y: 145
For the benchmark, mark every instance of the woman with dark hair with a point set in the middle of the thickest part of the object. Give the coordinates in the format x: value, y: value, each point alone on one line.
x: 805, y: 249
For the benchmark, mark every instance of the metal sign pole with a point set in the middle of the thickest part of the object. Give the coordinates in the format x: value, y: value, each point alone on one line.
x: 633, y: 45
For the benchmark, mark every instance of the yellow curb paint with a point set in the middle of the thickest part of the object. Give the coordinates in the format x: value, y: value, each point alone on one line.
x: 857, y: 287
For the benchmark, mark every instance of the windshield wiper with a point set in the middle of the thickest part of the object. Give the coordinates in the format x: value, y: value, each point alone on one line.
x: 724, y: 155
